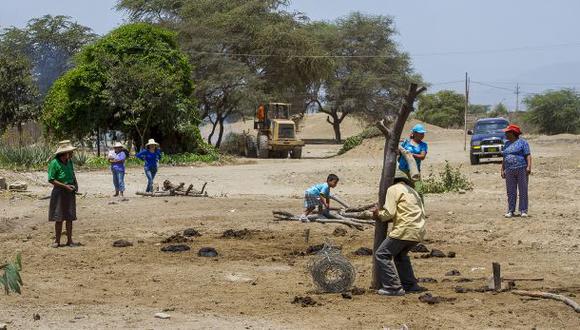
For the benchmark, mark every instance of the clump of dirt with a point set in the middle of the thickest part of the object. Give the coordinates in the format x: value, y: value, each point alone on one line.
x: 122, y: 243
x: 177, y: 238
x: 453, y: 272
x: 364, y: 251
x: 339, y: 232
x: 437, y: 253
x: 426, y: 280
x: 207, y: 252
x: 237, y: 234
x: 419, y: 248
x: 304, y: 301
x: 314, y: 249
x: 190, y: 232
x: 176, y: 248
x: 451, y: 254
x: 356, y: 291
x: 463, y: 280
x: 432, y: 300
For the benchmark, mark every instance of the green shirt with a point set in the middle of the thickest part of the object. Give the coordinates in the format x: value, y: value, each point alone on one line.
x: 61, y: 172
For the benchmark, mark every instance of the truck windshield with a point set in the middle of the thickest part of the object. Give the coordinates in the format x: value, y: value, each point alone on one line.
x: 490, y: 127
x: 286, y: 131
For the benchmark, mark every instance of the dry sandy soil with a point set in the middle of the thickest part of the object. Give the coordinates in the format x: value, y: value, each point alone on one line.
x: 253, y: 281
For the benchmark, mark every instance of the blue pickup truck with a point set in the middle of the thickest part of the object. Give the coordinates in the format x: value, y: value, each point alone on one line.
x: 487, y: 139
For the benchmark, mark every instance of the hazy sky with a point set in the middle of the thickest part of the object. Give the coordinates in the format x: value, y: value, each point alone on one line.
x: 446, y: 38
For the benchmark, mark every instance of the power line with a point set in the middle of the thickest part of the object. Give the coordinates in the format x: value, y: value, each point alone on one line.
x: 466, y: 52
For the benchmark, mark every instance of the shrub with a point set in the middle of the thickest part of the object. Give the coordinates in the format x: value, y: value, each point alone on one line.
x: 11, y: 280
x: 29, y: 157
x: 233, y: 144
x: 449, y: 179
x: 354, y: 141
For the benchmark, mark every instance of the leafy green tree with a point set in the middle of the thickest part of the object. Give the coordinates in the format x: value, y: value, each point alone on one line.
x: 135, y: 80
x: 18, y: 92
x: 500, y: 110
x: 369, y: 73
x: 49, y: 42
x: 246, y: 52
x: 479, y: 110
x: 444, y: 108
x: 554, y: 112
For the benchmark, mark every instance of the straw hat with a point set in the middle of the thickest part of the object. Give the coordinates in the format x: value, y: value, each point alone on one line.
x: 64, y: 147
x: 151, y: 142
x: 118, y: 145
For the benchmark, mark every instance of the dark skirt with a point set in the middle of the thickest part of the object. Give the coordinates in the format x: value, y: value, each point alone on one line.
x: 63, y: 205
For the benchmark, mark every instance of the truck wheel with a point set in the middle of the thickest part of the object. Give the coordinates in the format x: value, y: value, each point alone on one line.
x: 250, y: 150
x: 473, y: 159
x: 262, y: 146
x: 296, y: 153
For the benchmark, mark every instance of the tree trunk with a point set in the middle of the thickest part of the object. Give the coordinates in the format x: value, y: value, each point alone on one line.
x: 214, y: 126
x: 391, y: 127
x: 335, y: 122
x: 221, y: 132
x: 20, y: 134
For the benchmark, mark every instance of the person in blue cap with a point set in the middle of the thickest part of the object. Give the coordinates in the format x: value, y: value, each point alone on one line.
x: 415, y: 145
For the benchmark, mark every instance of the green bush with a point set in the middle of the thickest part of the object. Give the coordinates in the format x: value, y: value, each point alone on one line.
x: 29, y: 157
x: 354, y: 141
x: 37, y: 157
x: 449, y: 179
x: 233, y: 144
x: 11, y: 280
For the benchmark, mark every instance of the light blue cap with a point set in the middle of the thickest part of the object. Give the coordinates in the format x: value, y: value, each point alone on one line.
x: 419, y: 129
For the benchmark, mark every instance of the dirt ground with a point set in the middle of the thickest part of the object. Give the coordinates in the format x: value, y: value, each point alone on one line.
x: 253, y: 281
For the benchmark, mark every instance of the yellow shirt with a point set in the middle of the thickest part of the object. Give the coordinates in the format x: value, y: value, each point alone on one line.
x: 405, y: 209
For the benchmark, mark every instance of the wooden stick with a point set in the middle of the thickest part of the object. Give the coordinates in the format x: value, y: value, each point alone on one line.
x: 188, y: 189
x: 413, y: 170
x: 523, y: 279
x: 203, y: 188
x: 339, y: 201
x: 546, y: 295
x: 361, y: 208
x: 496, y: 276
x: 325, y: 221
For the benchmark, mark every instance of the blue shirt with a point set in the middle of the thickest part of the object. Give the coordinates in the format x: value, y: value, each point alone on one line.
x: 319, y: 189
x: 515, y: 153
x: 150, y: 158
x: 414, y: 149
x: 119, y: 167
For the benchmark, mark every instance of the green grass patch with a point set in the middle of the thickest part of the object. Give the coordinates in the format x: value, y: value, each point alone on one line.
x: 450, y: 179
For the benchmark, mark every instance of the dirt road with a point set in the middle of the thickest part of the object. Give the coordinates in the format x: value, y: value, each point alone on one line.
x: 253, y: 281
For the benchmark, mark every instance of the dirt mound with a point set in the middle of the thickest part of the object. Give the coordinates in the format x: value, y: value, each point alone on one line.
x: 569, y: 138
x: 177, y: 238
x: 238, y: 234
x: 304, y: 301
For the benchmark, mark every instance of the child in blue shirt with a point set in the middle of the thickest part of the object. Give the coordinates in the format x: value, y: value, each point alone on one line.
x: 152, y: 155
x: 318, y: 196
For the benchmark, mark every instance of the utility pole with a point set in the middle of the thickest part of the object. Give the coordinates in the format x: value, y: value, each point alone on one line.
x: 466, y: 109
x: 517, y: 97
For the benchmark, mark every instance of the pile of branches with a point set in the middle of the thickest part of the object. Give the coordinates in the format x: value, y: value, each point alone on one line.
x: 170, y: 189
x: 356, y: 217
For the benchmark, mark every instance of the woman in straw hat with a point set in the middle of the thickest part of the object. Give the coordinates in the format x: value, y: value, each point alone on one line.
x: 63, y: 197
x: 117, y: 159
x: 151, y: 155
x: 515, y: 169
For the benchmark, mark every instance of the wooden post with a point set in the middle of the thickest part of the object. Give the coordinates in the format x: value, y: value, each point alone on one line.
x: 496, y: 276
x: 391, y: 127
x: 466, y: 110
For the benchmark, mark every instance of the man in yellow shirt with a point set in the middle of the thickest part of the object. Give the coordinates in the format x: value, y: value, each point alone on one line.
x: 405, y: 209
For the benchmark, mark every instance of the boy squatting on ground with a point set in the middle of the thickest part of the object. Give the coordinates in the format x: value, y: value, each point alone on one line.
x: 404, y: 208
x: 318, y: 196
